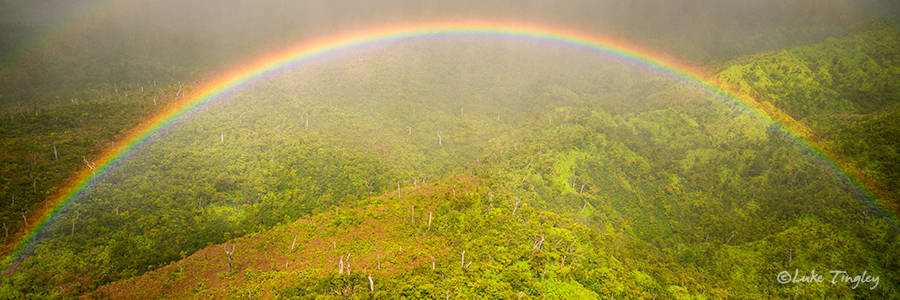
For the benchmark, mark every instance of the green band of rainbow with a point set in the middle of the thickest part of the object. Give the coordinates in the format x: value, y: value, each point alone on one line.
x: 354, y: 41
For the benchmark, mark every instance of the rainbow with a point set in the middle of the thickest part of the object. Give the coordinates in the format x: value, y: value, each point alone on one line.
x: 307, y: 52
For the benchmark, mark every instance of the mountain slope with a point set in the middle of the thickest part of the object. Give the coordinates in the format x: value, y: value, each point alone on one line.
x: 558, y: 176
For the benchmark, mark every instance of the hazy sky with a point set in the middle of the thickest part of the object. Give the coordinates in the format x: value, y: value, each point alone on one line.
x: 123, y: 35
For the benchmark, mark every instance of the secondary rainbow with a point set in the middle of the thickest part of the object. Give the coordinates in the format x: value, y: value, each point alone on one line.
x: 356, y: 41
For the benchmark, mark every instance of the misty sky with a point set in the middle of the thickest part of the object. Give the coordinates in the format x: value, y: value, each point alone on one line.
x: 141, y: 40
x: 650, y: 19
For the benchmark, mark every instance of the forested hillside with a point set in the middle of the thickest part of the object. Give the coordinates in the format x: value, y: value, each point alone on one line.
x: 846, y: 89
x: 474, y: 169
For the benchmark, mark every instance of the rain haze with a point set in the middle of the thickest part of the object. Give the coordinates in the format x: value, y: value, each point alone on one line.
x: 459, y: 149
x: 135, y: 41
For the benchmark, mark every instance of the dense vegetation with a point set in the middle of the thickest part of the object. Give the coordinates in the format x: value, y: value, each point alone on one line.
x: 474, y: 169
x: 845, y: 89
x: 43, y: 145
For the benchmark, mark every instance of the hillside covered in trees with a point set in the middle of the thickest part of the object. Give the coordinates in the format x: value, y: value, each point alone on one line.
x: 472, y: 169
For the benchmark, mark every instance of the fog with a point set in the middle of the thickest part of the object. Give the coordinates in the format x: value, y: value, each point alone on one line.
x: 689, y: 183
x: 55, y: 45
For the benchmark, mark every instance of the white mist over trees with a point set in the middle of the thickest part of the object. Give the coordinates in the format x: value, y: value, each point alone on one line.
x: 132, y: 42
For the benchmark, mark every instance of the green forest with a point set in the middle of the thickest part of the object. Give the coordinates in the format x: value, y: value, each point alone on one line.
x: 471, y: 169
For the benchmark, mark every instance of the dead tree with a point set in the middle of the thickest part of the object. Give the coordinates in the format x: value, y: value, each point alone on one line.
x: 462, y: 262
x: 294, y: 242
x: 429, y: 221
x: 24, y: 218
x: 33, y: 182
x: 344, y: 293
x: 515, y: 208
x: 440, y: 138
x: 55, y: 154
x: 77, y: 214
x: 538, y: 244
x: 371, y: 284
x: 790, y: 256
x: 90, y: 165
x: 225, y: 247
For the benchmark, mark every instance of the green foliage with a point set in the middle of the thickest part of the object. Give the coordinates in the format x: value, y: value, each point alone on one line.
x: 854, y: 74
x: 582, y: 179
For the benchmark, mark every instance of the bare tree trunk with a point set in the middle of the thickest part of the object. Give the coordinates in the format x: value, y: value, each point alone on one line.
x: 345, y: 293
x: 538, y: 245
x: 77, y: 214
x: 55, y: 154
x: 341, y: 266
x: 790, y: 256
x: 398, y: 190
x: 229, y: 255
x: 33, y: 182
x: 545, y: 272
x: 292, y: 243
x: 462, y: 262
x: 371, y: 284
x: 24, y: 218
x: 515, y: 208
x: 432, y: 261
x: 429, y: 221
x: 6, y: 229
x: 440, y: 138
